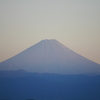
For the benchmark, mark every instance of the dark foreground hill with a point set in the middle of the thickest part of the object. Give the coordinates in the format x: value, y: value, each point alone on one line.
x: 50, y: 56
x: 21, y: 85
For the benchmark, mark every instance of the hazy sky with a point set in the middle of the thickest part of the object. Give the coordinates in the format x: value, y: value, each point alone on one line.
x: 74, y: 23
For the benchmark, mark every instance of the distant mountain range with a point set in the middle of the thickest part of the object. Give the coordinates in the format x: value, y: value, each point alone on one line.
x: 22, y: 85
x: 50, y: 56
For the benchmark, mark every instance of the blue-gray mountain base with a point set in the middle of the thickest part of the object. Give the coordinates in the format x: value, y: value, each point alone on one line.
x: 21, y: 85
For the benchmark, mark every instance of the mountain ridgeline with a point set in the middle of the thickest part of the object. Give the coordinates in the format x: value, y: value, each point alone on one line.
x: 50, y: 56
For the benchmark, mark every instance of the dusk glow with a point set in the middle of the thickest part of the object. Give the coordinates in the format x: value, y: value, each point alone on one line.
x: 74, y: 23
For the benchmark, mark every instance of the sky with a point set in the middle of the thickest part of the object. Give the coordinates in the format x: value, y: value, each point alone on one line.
x: 74, y: 23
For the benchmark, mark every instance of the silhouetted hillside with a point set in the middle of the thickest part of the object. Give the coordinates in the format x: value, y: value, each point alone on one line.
x: 49, y: 87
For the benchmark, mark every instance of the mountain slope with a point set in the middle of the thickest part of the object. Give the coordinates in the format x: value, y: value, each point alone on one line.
x: 50, y: 56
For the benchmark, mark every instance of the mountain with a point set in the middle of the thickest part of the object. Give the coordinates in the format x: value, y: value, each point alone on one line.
x: 50, y: 56
x: 21, y: 85
x: 44, y: 72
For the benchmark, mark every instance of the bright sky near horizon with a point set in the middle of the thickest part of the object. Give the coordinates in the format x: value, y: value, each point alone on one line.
x: 74, y: 23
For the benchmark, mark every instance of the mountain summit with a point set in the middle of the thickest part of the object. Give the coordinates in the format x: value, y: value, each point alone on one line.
x: 50, y: 56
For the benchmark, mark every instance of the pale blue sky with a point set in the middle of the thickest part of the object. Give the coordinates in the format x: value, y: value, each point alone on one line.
x: 74, y: 23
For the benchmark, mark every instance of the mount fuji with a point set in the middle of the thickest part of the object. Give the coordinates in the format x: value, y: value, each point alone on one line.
x: 50, y: 56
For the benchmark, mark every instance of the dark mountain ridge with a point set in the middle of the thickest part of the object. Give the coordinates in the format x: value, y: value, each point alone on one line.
x: 21, y: 85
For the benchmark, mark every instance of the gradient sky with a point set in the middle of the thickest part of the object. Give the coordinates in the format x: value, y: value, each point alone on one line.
x: 74, y: 23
